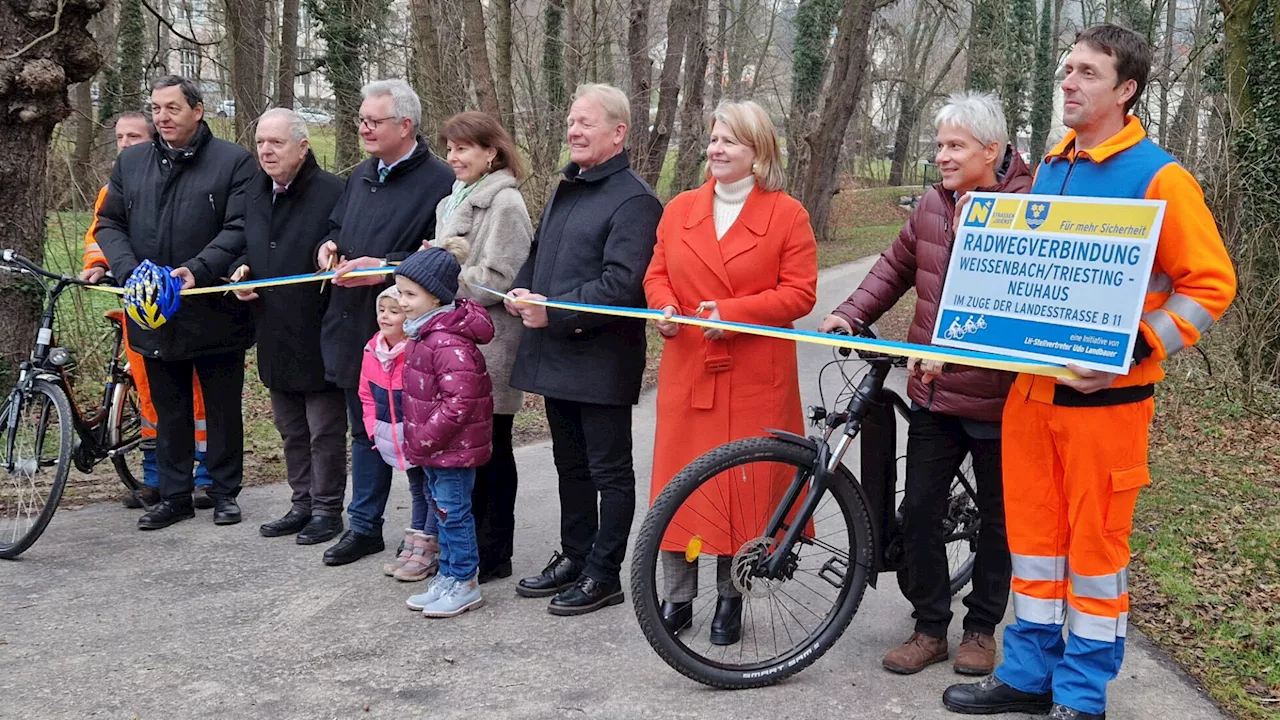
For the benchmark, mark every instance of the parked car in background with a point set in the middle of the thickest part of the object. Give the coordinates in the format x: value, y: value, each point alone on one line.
x: 314, y: 116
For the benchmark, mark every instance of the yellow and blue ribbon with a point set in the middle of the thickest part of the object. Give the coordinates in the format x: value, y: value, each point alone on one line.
x: 955, y: 356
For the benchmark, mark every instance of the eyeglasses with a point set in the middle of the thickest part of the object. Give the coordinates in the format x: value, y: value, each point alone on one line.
x: 373, y: 123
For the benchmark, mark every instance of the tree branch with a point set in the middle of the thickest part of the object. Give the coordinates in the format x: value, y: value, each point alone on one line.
x: 57, y: 23
x: 166, y: 22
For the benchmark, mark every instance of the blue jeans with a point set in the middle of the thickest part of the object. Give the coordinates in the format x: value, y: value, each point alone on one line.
x: 423, y: 512
x: 451, y: 488
x: 151, y: 470
x: 370, y: 476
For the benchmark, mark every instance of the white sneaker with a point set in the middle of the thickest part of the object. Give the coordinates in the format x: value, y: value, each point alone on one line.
x: 437, y: 587
x: 461, y: 596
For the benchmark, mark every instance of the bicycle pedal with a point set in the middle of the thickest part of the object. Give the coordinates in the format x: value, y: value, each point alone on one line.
x: 834, y: 572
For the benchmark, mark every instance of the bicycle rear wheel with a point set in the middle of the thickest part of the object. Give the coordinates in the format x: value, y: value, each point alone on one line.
x: 720, y: 505
x: 124, y: 434
x: 34, y: 461
x: 960, y: 527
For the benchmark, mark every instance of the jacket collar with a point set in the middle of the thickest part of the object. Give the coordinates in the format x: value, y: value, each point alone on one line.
x: 190, y: 150
x: 1132, y: 134
x: 755, y: 214
x: 615, y: 164
x: 754, y: 218
x: 488, y: 188
x: 308, y: 170
x: 419, y: 156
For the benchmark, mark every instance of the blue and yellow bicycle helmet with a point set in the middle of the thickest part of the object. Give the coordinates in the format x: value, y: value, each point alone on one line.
x: 151, y: 295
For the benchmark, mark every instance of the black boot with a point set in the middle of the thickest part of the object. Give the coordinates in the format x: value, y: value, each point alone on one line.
x: 1062, y: 712
x: 352, y: 547
x: 165, y: 514
x: 588, y: 595
x: 201, y: 498
x: 559, y: 575
x: 292, y: 522
x: 489, y: 573
x: 989, y: 696
x: 677, y: 616
x: 226, y: 511
x: 148, y: 495
x: 726, y: 626
x: 321, y: 528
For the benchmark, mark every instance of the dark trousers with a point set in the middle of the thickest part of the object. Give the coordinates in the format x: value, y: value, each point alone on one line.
x: 591, y: 445
x: 370, y: 476
x: 936, y: 446
x: 222, y: 381
x: 313, y: 426
x: 493, y: 501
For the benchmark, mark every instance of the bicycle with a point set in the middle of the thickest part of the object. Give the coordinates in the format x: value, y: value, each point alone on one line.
x: 45, y: 433
x: 802, y: 573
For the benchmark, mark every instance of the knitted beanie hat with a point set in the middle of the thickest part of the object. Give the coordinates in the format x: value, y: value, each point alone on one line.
x: 436, y: 269
x: 390, y: 293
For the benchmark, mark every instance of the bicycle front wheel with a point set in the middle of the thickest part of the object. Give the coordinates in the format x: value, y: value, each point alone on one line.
x: 720, y: 505
x: 38, y: 437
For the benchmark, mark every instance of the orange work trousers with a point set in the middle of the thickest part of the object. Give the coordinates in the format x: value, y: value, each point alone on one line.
x: 148, y: 411
x: 1071, y: 478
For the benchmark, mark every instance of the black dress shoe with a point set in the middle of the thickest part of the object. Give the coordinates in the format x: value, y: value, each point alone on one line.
x: 322, y: 528
x: 497, y: 572
x: 292, y: 522
x: 352, y: 547
x: 559, y: 575
x: 587, y: 595
x: 226, y: 512
x: 726, y: 626
x: 147, y: 494
x: 201, y: 499
x: 1062, y: 712
x: 677, y: 616
x: 989, y: 696
x: 166, y: 513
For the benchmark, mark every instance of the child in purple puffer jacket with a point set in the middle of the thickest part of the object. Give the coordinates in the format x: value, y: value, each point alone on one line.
x: 448, y: 413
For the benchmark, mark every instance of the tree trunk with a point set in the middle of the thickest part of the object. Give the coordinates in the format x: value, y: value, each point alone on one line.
x: 641, y: 80
x: 246, y: 21
x: 821, y: 180
x: 132, y: 63
x: 908, y: 113
x: 36, y: 67
x: 1043, y: 83
x: 736, y: 55
x: 82, y: 155
x: 573, y: 46
x: 478, y: 55
x: 502, y: 61
x: 814, y: 21
x: 344, y: 28
x: 692, y: 127
x: 718, y: 49
x: 288, y: 54
x: 679, y: 19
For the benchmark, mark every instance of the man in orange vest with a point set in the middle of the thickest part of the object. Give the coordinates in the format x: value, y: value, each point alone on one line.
x: 133, y: 128
x: 1075, y: 451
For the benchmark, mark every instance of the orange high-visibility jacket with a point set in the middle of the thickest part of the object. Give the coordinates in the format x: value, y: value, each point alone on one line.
x: 92, y: 253
x: 1192, y: 280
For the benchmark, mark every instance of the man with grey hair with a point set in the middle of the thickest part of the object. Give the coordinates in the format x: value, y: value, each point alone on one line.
x: 593, y: 246
x: 954, y: 414
x: 287, y: 210
x: 386, y: 212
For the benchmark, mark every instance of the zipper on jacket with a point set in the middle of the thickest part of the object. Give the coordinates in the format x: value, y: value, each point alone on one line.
x: 1067, y: 178
x: 212, y: 206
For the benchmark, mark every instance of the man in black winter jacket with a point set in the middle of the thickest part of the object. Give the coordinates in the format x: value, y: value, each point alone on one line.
x: 179, y: 201
x: 385, y: 214
x: 593, y: 246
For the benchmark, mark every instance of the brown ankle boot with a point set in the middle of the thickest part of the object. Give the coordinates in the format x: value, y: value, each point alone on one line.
x: 917, y: 653
x: 977, y: 654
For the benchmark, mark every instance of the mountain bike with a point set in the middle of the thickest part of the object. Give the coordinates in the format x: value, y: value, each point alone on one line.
x: 44, y: 433
x: 794, y: 533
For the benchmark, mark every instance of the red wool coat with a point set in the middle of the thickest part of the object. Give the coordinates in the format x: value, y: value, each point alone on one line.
x: 763, y: 271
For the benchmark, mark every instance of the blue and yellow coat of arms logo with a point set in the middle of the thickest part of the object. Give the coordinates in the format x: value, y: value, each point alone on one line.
x: 1036, y: 214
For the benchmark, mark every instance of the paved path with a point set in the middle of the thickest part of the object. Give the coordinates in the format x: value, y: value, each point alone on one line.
x: 100, y: 620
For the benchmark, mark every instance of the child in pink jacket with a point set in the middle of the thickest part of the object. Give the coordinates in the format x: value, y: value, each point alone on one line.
x: 381, y: 388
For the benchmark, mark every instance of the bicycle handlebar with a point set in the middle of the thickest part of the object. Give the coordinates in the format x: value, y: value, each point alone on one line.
x: 23, y: 264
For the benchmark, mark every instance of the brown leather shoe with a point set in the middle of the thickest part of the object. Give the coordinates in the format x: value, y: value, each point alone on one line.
x: 917, y: 653
x: 977, y: 654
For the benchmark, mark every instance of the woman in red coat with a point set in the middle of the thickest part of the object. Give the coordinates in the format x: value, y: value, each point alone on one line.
x: 741, y: 250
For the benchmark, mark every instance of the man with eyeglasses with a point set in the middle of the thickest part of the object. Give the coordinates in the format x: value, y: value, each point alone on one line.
x: 386, y: 212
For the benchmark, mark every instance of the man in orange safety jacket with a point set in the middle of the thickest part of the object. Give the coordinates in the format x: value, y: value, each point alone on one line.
x: 131, y: 129
x: 1075, y: 451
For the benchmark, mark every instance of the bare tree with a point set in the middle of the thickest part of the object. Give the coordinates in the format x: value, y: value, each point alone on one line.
x: 288, y: 67
x: 43, y: 50
x: 502, y: 64
x: 246, y: 24
x: 689, y: 160
x: 915, y: 87
x: 821, y: 180
x: 718, y: 42
x: 641, y: 69
x: 478, y: 56
x: 680, y: 18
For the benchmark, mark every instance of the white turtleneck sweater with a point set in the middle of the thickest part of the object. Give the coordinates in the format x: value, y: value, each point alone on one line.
x: 730, y: 197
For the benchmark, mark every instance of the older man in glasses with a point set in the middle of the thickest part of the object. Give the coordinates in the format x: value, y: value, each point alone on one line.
x: 386, y: 212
